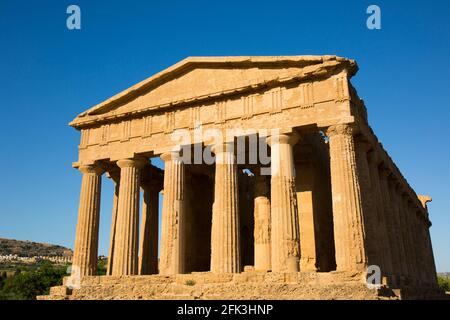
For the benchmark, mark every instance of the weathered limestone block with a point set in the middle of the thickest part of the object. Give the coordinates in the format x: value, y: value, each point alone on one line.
x: 86, y: 241
x: 126, y: 245
x: 284, y: 213
x: 225, y: 246
x: 347, y: 205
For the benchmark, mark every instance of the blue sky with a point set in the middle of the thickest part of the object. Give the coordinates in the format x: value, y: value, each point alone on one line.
x: 49, y: 74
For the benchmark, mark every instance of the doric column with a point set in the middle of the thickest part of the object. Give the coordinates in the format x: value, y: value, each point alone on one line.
x: 346, y: 197
x: 127, y: 231
x: 308, y: 211
x: 397, y: 216
x: 262, y: 224
x: 430, y: 257
x: 390, y: 222
x: 404, y: 231
x: 410, y: 258
x: 423, y: 271
x: 225, y: 230
x: 112, y: 235
x: 172, y: 257
x: 383, y: 234
x: 148, y: 244
x: 409, y: 226
x: 86, y: 242
x: 372, y: 237
x: 284, y: 212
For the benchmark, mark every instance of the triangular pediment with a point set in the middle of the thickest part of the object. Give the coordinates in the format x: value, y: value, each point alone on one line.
x: 199, y: 77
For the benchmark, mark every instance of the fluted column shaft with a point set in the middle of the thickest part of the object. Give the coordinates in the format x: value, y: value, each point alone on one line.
x: 262, y: 228
x: 86, y: 242
x: 285, y: 235
x: 172, y: 257
x: 126, y: 244
x: 430, y: 258
x: 404, y: 232
x: 346, y: 198
x: 113, y: 231
x: 369, y: 210
x: 225, y: 230
x: 383, y: 232
x: 410, y: 258
x: 397, y: 216
x: 412, y: 236
x: 391, y: 223
x: 148, y: 244
x: 419, y: 246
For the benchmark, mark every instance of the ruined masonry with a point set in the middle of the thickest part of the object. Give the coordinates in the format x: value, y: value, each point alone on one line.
x: 334, y: 204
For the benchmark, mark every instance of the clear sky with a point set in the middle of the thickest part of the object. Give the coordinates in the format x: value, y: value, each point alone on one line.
x: 49, y: 74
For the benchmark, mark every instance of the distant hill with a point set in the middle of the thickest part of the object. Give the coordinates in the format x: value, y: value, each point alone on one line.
x: 31, y: 249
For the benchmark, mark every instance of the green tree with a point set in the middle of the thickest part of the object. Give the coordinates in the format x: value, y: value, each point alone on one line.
x: 444, y: 283
x: 101, y: 267
x: 27, y: 285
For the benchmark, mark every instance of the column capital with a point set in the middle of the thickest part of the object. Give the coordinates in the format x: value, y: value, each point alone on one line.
x: 424, y: 199
x: 170, y: 155
x: 92, y: 168
x: 283, y: 138
x: 138, y: 162
x: 341, y: 129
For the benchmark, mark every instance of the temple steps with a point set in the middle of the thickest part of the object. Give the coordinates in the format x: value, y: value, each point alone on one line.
x: 243, y: 286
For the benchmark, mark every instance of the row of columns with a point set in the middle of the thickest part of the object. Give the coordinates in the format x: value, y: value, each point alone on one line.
x: 389, y: 230
x: 225, y: 238
x: 372, y: 216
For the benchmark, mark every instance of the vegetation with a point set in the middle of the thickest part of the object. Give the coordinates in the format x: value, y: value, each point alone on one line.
x: 190, y: 282
x: 444, y: 283
x: 102, y: 264
x: 25, y: 282
x: 28, y: 282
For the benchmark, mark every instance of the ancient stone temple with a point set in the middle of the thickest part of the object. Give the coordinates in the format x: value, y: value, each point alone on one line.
x: 274, y: 186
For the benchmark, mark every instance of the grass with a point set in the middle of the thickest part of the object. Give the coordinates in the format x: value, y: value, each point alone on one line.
x: 190, y: 282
